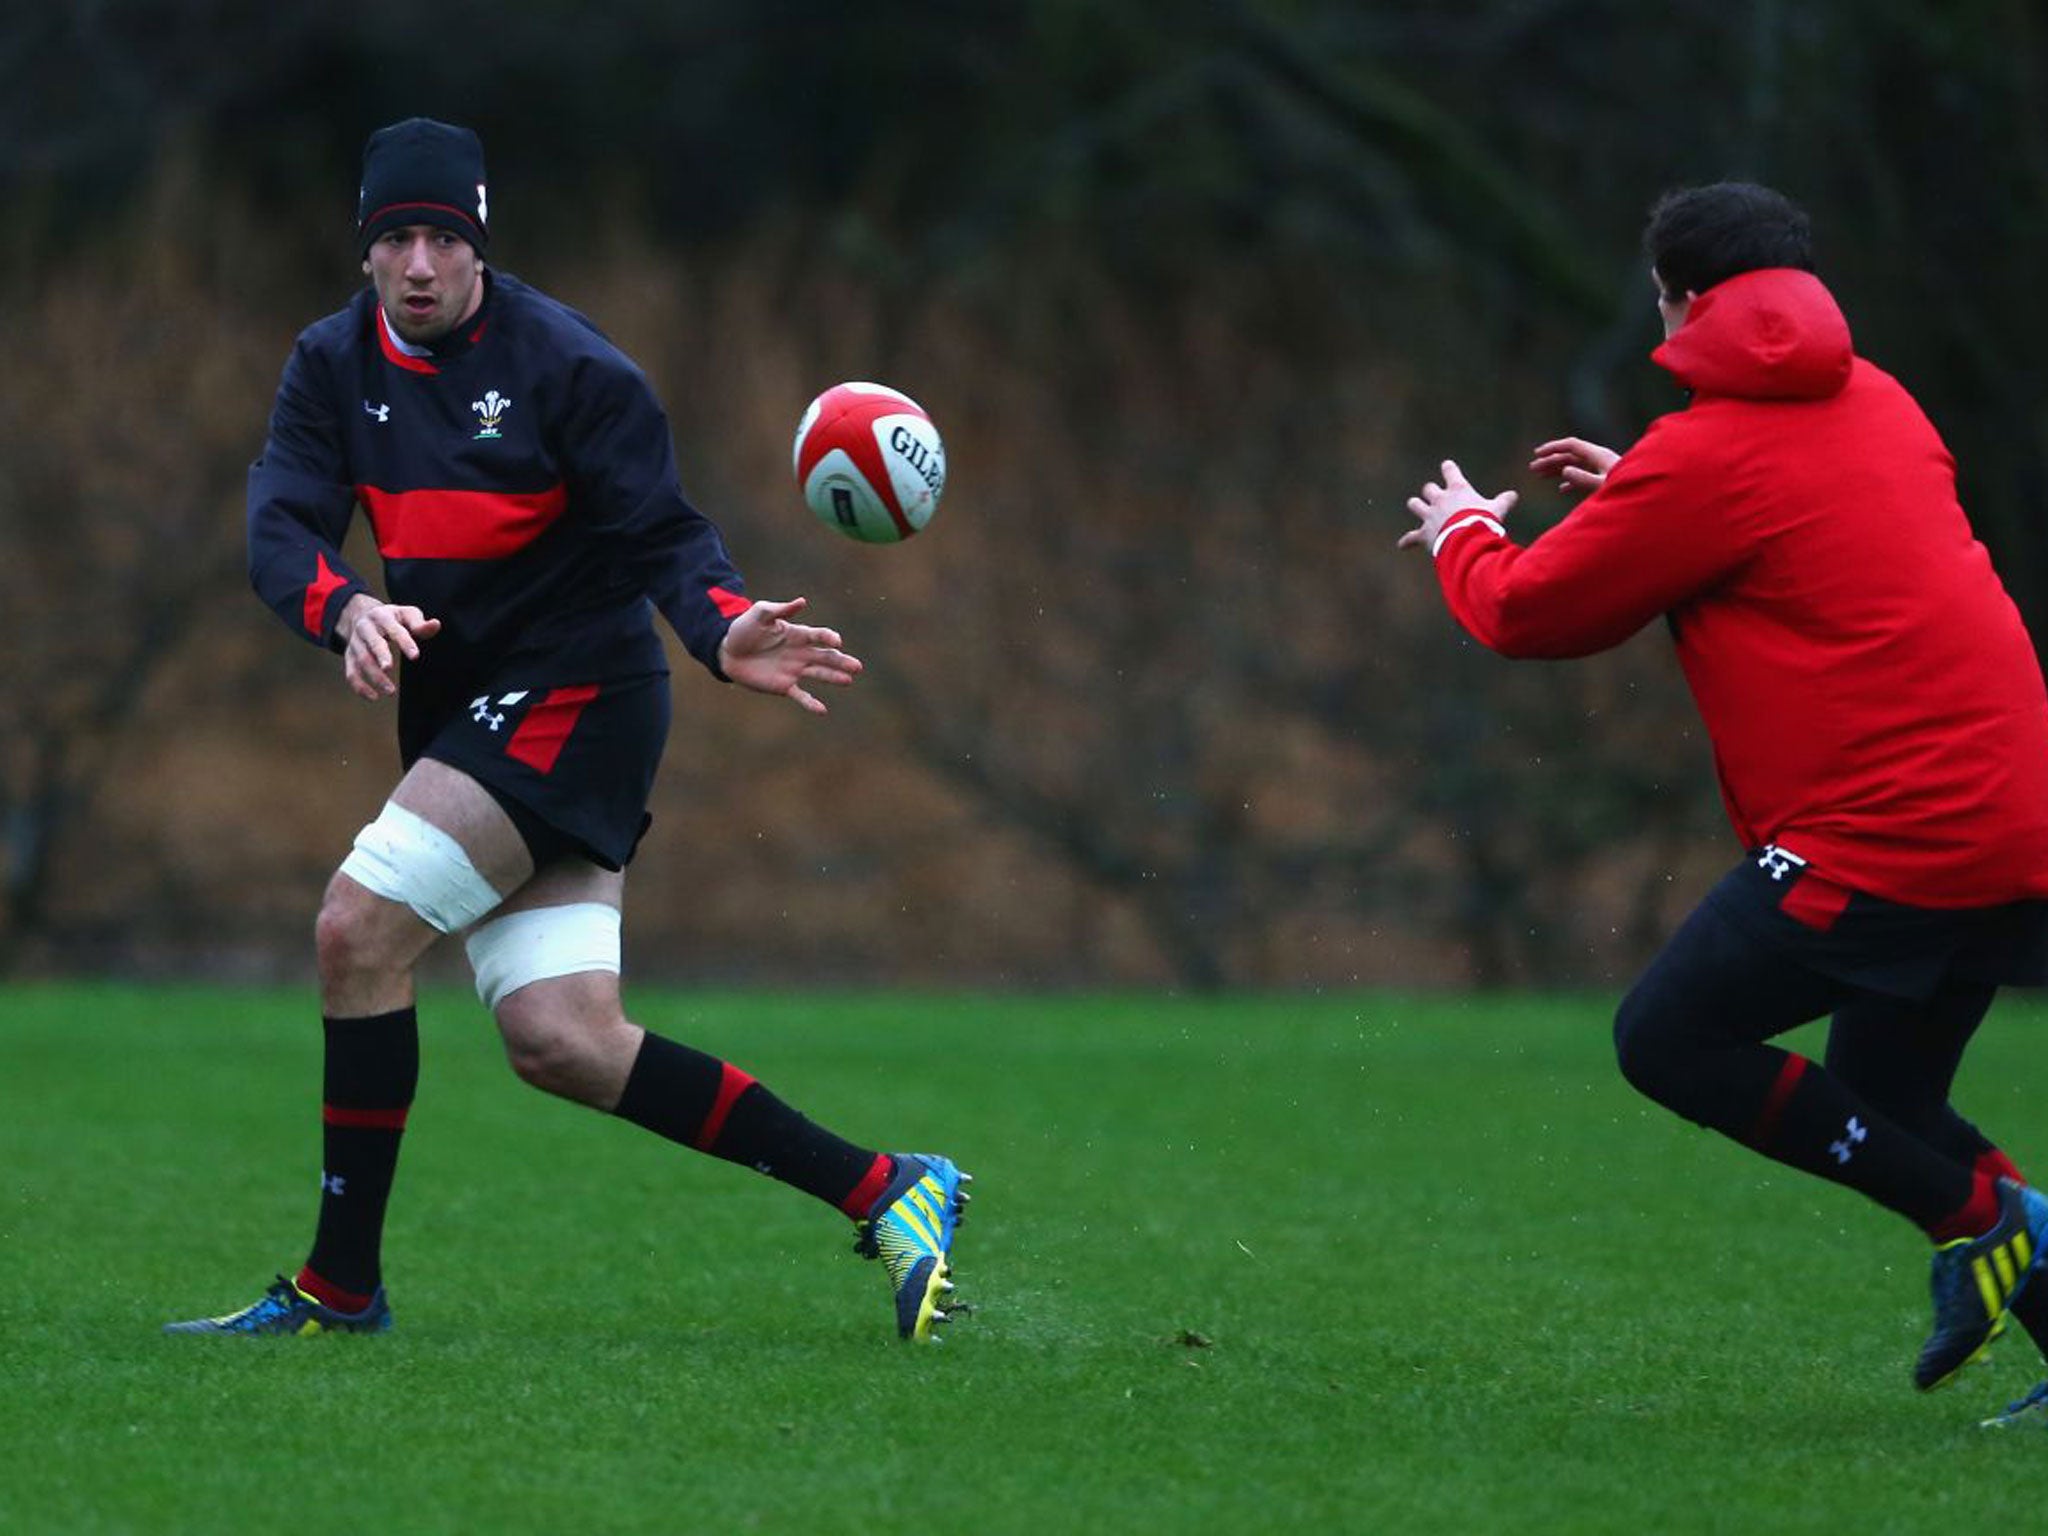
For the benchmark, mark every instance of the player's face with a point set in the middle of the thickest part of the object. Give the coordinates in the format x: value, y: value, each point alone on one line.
x: 429, y: 280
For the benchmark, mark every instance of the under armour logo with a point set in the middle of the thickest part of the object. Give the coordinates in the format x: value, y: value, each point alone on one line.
x: 333, y: 1184
x: 1852, y: 1138
x: 1778, y: 862
x: 481, y: 712
x: 377, y: 413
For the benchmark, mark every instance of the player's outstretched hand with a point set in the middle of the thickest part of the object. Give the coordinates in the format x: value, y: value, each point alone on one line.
x: 767, y: 653
x: 376, y: 635
x: 1436, y: 505
x: 1575, y: 463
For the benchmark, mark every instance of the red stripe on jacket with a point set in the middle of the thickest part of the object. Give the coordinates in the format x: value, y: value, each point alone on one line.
x: 459, y: 525
x: 389, y: 346
x: 325, y: 584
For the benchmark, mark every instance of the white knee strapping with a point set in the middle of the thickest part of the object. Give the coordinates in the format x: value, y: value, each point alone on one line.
x: 403, y: 857
x: 520, y: 948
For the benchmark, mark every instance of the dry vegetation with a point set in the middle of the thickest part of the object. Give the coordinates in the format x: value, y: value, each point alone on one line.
x: 1153, y: 702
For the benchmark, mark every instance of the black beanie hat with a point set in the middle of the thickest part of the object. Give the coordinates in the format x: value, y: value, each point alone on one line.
x: 423, y: 172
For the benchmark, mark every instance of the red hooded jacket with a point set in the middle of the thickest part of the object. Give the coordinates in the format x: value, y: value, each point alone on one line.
x: 1873, y: 699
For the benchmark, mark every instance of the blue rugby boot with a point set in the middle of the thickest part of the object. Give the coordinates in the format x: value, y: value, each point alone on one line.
x: 910, y: 1229
x: 1974, y: 1281
x: 2031, y: 1409
x: 284, y: 1308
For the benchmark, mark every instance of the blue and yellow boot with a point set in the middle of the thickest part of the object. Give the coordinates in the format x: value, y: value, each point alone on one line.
x: 284, y: 1308
x: 910, y: 1229
x: 1974, y: 1281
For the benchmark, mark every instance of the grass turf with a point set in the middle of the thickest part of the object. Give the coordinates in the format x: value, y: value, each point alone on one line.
x: 1366, y: 1263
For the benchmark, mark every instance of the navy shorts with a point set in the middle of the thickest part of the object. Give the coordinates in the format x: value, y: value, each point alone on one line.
x: 572, y: 766
x: 1877, y: 945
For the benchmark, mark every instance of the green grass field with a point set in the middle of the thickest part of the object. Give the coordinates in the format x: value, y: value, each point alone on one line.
x: 1355, y: 1263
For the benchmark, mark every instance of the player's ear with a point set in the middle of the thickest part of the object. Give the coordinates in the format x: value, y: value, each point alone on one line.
x: 366, y: 266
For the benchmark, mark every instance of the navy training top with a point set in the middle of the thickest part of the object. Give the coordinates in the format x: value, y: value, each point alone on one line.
x: 521, y: 483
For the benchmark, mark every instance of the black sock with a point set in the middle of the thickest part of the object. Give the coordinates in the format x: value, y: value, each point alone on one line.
x: 373, y: 1069
x: 1811, y: 1121
x: 712, y: 1105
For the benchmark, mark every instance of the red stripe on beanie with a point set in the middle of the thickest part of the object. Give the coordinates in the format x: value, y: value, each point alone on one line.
x: 467, y: 220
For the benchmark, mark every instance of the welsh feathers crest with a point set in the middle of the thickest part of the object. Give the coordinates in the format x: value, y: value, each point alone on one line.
x: 490, y: 411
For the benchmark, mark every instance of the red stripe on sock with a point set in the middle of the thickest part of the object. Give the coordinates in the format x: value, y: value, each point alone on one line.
x: 1975, y: 1216
x: 731, y: 1085
x: 869, y: 1189
x: 333, y: 1297
x: 364, y: 1119
x: 1766, y: 1126
x: 1993, y: 1161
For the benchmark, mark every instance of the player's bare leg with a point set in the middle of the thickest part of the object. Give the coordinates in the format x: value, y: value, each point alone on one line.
x: 568, y: 1035
x: 368, y: 943
x: 547, y: 963
x: 440, y: 854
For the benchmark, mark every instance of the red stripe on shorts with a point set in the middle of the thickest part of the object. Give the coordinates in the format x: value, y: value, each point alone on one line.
x: 1814, y: 901
x: 545, y: 730
x: 731, y: 1085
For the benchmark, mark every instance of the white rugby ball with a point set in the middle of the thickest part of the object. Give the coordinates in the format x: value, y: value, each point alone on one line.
x: 869, y: 462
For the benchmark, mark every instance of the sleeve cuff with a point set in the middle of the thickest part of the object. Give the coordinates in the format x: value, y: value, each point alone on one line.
x: 1469, y: 520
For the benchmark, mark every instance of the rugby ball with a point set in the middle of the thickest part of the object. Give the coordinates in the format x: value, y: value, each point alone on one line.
x: 869, y: 462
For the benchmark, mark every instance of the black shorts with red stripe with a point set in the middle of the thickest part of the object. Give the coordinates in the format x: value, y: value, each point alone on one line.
x: 1775, y: 897
x: 572, y: 765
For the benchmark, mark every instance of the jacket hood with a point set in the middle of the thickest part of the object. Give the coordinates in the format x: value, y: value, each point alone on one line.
x: 1774, y: 334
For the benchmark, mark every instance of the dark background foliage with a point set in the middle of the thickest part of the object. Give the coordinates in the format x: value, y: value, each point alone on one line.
x: 1198, y: 293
